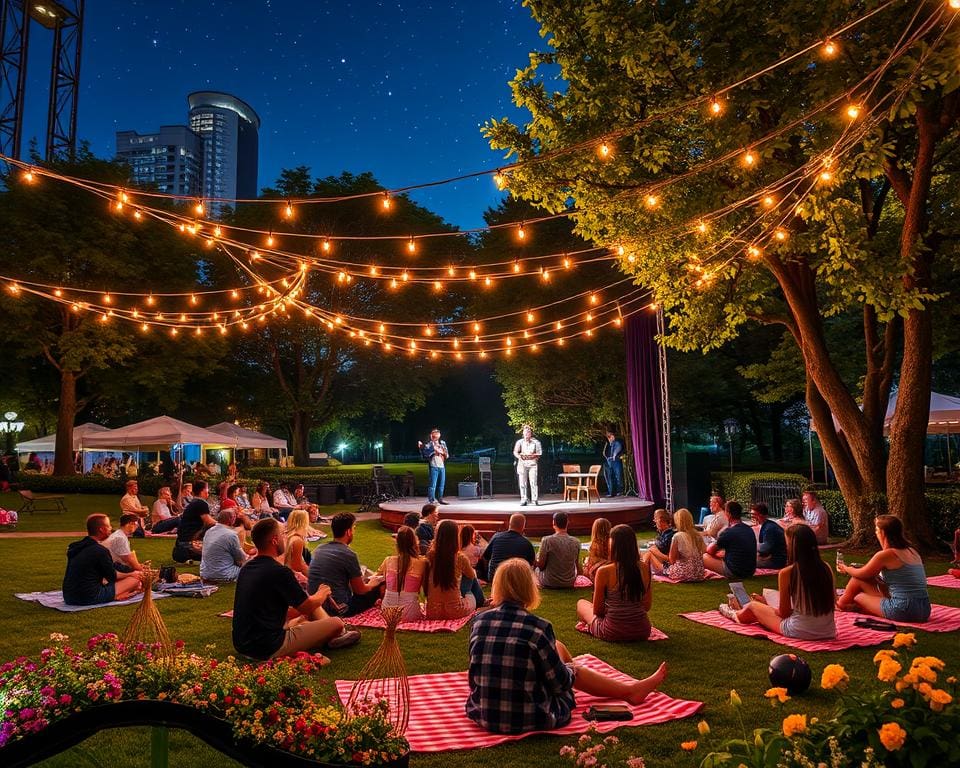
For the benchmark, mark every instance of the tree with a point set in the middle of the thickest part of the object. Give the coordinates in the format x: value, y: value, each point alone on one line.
x: 876, y: 237
x: 58, y: 235
x: 312, y: 374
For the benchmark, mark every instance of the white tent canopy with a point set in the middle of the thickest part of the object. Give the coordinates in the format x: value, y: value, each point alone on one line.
x: 156, y: 434
x: 239, y: 437
x: 944, y: 414
x: 48, y: 444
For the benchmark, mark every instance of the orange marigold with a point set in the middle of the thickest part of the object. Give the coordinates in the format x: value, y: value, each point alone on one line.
x: 892, y: 736
x: 888, y: 670
x: 688, y: 746
x: 777, y: 693
x: 897, y: 703
x: 904, y: 639
x: 834, y: 676
x: 886, y: 653
x: 794, y: 724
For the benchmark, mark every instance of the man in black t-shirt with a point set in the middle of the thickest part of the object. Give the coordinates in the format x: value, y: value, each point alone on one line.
x: 507, y: 544
x: 272, y: 615
x: 734, y: 553
x: 90, y: 577
x: 196, y: 518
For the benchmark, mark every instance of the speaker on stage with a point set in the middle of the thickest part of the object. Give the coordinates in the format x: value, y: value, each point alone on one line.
x: 691, y: 481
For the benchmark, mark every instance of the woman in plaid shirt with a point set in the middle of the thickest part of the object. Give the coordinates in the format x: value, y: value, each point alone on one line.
x: 521, y: 677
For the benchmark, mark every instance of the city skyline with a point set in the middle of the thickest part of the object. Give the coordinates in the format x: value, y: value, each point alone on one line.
x: 398, y: 90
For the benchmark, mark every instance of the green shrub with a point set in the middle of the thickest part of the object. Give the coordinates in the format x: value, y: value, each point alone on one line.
x: 737, y: 485
x: 314, y: 475
x: 83, y: 484
x: 837, y: 512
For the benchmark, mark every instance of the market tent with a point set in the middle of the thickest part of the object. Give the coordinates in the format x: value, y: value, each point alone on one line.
x: 944, y: 414
x: 157, y: 434
x: 239, y: 437
x: 49, y: 442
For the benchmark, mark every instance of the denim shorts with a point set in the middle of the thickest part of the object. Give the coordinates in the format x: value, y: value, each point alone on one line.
x: 106, y: 594
x: 912, y: 609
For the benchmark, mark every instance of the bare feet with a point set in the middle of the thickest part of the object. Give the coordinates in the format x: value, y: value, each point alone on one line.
x: 643, y: 688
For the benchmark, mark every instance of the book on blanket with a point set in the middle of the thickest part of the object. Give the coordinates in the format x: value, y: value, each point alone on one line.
x: 771, y: 597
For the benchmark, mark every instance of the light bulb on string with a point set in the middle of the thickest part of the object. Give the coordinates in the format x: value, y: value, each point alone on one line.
x: 405, y: 276
x: 288, y: 210
x: 118, y: 205
x: 530, y: 317
x: 604, y: 150
x: 437, y: 286
x: 545, y: 274
x: 566, y: 262
x: 217, y: 232
x: 28, y: 176
x: 593, y: 298
x: 716, y: 107
x: 500, y: 179
x: 516, y: 266
x: 193, y: 299
x: 754, y: 252
x: 325, y: 245
x: 954, y: 4
x: 830, y: 48
x: 182, y: 227
x: 521, y: 233
x: 476, y: 327
x: 780, y: 234
x: 411, y: 245
x: 270, y: 240
x: 198, y: 208
x: 652, y: 201
x: 373, y: 271
x: 137, y: 215
x: 472, y: 274
x: 385, y: 202
x: 57, y: 292
x: 768, y: 201
x: 488, y: 281
x: 852, y: 111
x: 558, y: 325
x: 749, y: 158
x: 702, y: 227
x: 451, y: 271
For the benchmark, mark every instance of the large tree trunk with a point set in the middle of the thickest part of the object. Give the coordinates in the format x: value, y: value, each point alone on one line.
x: 63, y: 456
x: 300, y: 425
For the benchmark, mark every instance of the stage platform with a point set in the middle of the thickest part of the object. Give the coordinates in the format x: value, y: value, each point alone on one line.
x: 492, y: 514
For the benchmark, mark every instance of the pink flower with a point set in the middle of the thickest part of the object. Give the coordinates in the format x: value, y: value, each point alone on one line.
x: 636, y: 762
x: 567, y: 751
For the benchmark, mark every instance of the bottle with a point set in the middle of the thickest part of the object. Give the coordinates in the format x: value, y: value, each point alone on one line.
x: 839, y: 560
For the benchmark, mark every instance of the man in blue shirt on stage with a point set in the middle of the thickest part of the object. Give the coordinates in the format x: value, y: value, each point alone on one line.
x: 436, y: 454
x: 613, y: 464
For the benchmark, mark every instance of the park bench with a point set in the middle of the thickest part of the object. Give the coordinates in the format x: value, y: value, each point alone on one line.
x: 41, y: 502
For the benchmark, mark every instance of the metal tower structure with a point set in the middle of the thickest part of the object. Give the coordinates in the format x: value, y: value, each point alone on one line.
x: 665, y: 413
x: 64, y: 18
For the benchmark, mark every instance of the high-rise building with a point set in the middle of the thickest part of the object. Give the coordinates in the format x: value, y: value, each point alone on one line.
x: 230, y: 129
x: 170, y: 160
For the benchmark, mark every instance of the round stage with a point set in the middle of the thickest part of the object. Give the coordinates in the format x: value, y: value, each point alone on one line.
x: 492, y: 514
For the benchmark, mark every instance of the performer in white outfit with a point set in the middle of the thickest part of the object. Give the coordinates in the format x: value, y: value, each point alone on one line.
x: 527, y: 451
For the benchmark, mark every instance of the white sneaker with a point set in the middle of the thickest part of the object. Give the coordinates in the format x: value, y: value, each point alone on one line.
x: 728, y: 613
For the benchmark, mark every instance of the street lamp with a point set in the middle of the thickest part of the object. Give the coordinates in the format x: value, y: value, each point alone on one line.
x: 730, y: 427
x: 378, y: 447
x: 342, y: 447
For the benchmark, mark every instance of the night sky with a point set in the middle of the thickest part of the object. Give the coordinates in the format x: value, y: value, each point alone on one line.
x: 399, y: 88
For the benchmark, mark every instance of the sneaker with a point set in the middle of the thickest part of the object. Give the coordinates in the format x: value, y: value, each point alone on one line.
x: 536, y: 503
x: 441, y: 501
x: 728, y: 613
x: 345, y: 639
x: 523, y: 503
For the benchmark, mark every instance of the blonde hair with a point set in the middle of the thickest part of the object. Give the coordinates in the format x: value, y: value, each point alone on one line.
x: 513, y: 583
x: 599, y: 540
x: 297, y: 524
x: 683, y: 522
x: 662, y: 514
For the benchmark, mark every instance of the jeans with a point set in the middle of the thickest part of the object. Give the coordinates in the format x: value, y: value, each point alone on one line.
x: 613, y: 473
x: 436, y: 483
x: 163, y: 526
x: 471, y: 586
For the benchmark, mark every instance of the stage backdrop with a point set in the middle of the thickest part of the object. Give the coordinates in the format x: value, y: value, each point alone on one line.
x: 644, y: 405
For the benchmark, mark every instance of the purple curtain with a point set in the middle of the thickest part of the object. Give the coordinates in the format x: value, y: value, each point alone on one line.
x: 644, y: 406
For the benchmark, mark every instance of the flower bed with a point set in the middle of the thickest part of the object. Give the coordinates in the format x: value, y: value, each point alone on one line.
x: 270, y: 705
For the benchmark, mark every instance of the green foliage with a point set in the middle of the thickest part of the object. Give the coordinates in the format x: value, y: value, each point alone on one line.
x: 737, y: 486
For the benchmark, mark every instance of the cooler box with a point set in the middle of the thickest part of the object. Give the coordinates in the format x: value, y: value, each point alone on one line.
x: 468, y: 490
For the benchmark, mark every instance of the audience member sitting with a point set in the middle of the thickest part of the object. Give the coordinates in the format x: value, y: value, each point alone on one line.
x: 659, y: 552
x: 300, y: 496
x: 717, y: 521
x: 507, y: 544
x: 447, y: 567
x: 33, y: 463
x: 734, y: 553
x: 185, y: 496
x: 404, y: 574
x: 521, y: 677
x: 792, y: 513
x: 599, y: 552
x: 771, y: 544
x: 337, y: 566
x: 621, y: 593
x: 558, y: 562
x: 272, y: 615
x: 893, y: 584
x: 90, y: 577
x: 297, y: 555
x: 261, y: 501
x: 284, y: 501
x: 228, y: 500
x: 243, y: 501
x: 429, y: 517
x: 124, y: 559
x: 222, y: 550
x: 816, y: 516
x: 714, y: 507
x: 472, y: 545
x: 804, y: 607
x: 412, y: 520
x: 130, y: 504
x: 164, y: 516
x: 196, y: 518
x: 686, y: 550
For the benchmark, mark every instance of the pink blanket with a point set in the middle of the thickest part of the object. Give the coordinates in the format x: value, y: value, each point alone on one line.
x: 942, y: 619
x: 655, y: 634
x: 945, y: 580
x: 373, y: 619
x: 438, y: 722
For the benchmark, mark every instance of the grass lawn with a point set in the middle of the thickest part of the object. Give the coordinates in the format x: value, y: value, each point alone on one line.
x: 705, y: 663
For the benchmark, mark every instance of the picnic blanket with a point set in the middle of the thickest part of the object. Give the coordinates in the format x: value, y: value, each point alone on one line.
x: 942, y: 619
x: 226, y: 614
x: 944, y: 580
x: 167, y: 535
x: 438, y: 722
x: 373, y: 619
x: 195, y: 589
x: 582, y: 582
x: 54, y: 599
x: 707, y: 576
x: 655, y: 634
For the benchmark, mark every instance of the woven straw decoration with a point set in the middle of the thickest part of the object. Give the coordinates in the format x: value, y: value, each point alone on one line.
x: 384, y: 676
x: 146, y: 624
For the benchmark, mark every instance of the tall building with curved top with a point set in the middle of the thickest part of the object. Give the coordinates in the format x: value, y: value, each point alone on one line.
x: 229, y: 128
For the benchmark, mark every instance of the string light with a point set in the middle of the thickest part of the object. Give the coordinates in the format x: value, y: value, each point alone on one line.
x: 702, y: 227
x: 326, y: 245
x: 386, y: 202
x: 853, y: 110
x: 753, y: 252
x: 270, y: 240
x: 749, y: 158
x: 137, y: 215
x: 593, y: 298
x: 217, y: 232
x: 652, y: 201
x: 780, y: 234
x: 768, y: 201
x: 521, y: 232
x: 411, y: 245
x: 28, y: 176
x: 500, y: 180
x: 604, y: 150
x: 437, y: 286
x: 288, y: 210
x: 198, y: 208
x: 829, y: 48
x: 955, y: 4
x: 715, y: 106
x: 516, y: 266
